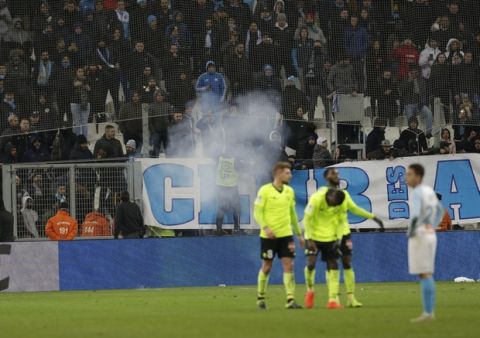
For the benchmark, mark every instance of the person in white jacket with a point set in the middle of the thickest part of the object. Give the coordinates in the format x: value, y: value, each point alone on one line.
x: 428, y: 57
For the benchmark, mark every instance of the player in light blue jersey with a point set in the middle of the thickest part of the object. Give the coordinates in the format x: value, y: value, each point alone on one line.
x: 426, y: 214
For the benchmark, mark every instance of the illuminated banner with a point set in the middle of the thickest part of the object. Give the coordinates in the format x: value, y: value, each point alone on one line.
x: 180, y: 194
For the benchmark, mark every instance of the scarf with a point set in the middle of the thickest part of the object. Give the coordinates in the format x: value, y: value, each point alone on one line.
x: 104, y: 54
x: 247, y: 42
x: 124, y: 18
x: 44, y: 73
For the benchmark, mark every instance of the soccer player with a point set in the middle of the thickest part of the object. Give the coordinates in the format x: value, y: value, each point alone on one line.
x: 426, y: 214
x: 274, y: 211
x: 325, y: 222
x: 346, y: 246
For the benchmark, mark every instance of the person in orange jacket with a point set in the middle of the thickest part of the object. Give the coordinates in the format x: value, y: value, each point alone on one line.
x: 95, y: 225
x: 62, y: 226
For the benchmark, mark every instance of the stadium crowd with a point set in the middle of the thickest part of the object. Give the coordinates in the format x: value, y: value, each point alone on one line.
x: 61, y: 61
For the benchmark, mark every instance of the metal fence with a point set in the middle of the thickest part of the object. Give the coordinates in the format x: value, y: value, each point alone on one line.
x: 34, y: 192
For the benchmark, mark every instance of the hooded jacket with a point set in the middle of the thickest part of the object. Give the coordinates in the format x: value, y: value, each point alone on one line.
x: 61, y: 227
x: 212, y: 85
x: 30, y: 216
x: 425, y: 62
x: 95, y: 225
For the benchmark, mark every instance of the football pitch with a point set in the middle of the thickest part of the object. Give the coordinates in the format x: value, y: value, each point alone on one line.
x: 230, y: 312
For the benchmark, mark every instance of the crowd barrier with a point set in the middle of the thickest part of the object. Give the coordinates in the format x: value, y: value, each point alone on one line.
x: 208, y: 261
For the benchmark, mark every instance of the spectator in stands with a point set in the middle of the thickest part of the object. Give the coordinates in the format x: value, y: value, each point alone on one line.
x: 10, y: 154
x: 131, y: 149
x: 137, y: 62
x: 159, y: 113
x: 406, y: 55
x: 122, y: 49
x: 413, y: 93
x: 5, y: 19
x: 63, y: 73
x: 443, y: 31
x: 19, y: 77
x: 339, y: 24
x: 211, y: 87
x: 238, y: 71
x: 266, y: 54
x: 80, y: 151
x: 83, y: 42
x: 123, y: 19
x: 476, y: 145
x: 61, y: 226
x: 128, y: 219
x: 467, y: 78
x: 110, y: 146
x: 22, y: 138
x: 383, y: 152
x: 212, y: 133
x: 447, y: 144
x: 8, y: 108
x: 174, y: 63
x: 6, y: 223
x: 342, y: 79
x: 148, y: 90
x: 30, y: 216
x: 469, y: 139
x: 292, y: 99
x: 60, y: 194
x: 43, y: 73
x: 321, y: 155
x: 95, y: 225
x: 315, y: 32
x: 18, y: 38
x: 387, y: 97
x: 265, y: 22
x: 37, y: 152
x: 131, y: 124
x: 414, y: 139
x: 374, y: 65
x: 283, y: 39
x: 302, y: 53
x: 108, y: 65
x: 11, y: 129
x: 441, y: 82
x: 180, y: 135
x: 103, y: 19
x: 428, y: 56
x: 356, y: 42
x: 268, y: 83
x: 376, y: 136
x: 463, y: 117
x: 80, y: 102
x: 181, y: 90
x: 454, y: 48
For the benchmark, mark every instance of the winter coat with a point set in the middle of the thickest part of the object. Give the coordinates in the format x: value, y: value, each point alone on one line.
x: 406, y: 56
x: 61, y: 227
x: 112, y: 147
x: 128, y: 220
x: 95, y: 225
x: 356, y: 42
x: 374, y: 139
x: 158, y: 117
x: 321, y: 157
x: 342, y: 79
x: 426, y: 60
x: 131, y: 119
x: 212, y: 86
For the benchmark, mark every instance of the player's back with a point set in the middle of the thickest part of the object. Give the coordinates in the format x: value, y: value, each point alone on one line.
x: 427, y: 208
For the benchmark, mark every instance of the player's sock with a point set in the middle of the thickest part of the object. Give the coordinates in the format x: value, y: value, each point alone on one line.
x: 333, y: 284
x: 309, y: 278
x: 289, y: 282
x: 262, y: 284
x: 349, y: 279
x: 428, y: 295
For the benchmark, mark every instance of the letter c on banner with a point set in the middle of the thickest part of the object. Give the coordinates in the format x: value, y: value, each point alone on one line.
x: 5, y: 249
x: 182, y: 209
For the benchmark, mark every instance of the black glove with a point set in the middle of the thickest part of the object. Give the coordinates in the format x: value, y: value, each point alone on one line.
x: 380, y: 223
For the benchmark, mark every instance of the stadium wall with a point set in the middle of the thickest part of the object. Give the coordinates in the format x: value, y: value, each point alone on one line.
x: 207, y: 261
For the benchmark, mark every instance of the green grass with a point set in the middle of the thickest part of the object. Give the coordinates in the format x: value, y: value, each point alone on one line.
x: 230, y: 313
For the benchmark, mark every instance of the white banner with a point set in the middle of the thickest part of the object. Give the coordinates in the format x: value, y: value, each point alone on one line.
x: 180, y: 194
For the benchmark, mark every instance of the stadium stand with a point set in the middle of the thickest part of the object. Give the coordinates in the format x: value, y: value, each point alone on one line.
x: 111, y: 80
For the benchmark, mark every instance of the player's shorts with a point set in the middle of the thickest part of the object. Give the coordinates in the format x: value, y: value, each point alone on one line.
x: 328, y: 250
x: 346, y: 251
x: 421, y: 253
x: 281, y: 247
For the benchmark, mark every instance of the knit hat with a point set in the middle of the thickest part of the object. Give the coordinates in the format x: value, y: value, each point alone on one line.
x: 131, y: 144
x: 265, y: 67
x: 151, y: 18
x: 209, y: 63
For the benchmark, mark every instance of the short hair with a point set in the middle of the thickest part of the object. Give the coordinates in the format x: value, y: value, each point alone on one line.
x: 281, y: 165
x: 337, y: 196
x: 327, y: 171
x: 109, y: 126
x: 418, y: 169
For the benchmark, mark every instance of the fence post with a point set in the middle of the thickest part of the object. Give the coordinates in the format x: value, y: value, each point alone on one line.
x: 71, y: 180
x: 146, y: 131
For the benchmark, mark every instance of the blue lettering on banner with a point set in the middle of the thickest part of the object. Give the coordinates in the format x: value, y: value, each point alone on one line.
x: 209, y: 200
x: 397, y: 192
x: 182, y: 210
x: 456, y: 182
x: 357, y: 183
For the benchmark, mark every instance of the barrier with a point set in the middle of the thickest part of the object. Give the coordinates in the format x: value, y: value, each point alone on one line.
x: 208, y: 261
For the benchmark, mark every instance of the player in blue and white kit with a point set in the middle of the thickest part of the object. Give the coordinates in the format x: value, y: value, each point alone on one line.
x: 426, y: 214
